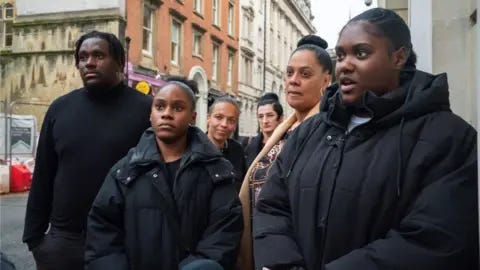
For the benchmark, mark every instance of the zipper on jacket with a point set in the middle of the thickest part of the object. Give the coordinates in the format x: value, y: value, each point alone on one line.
x: 340, y: 143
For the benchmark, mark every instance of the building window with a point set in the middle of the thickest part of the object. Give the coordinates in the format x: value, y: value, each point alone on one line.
x: 259, y: 75
x: 247, y: 27
x: 216, y: 12
x: 175, y: 43
x: 272, y: 45
x: 197, y: 6
x: 215, y: 61
x: 197, y: 42
x: 247, y: 70
x: 6, y: 29
x: 244, y: 26
x: 148, y: 20
x: 231, y: 55
x: 231, y: 19
x: 261, y: 6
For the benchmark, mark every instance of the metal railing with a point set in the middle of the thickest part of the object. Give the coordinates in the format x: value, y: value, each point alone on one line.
x: 4, y: 110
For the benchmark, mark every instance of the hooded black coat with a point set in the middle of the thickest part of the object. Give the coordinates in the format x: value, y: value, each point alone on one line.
x: 399, y: 192
x: 129, y: 226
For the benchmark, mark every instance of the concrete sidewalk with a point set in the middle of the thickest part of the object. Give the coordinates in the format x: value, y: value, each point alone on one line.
x: 12, y: 214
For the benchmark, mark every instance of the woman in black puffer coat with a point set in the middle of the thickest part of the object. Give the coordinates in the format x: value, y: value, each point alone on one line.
x: 384, y: 177
x: 171, y: 202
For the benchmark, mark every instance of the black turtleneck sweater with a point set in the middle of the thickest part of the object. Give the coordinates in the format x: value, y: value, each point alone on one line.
x: 83, y: 135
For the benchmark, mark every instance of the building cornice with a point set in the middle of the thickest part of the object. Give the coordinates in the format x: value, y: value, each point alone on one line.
x: 248, y: 51
x: 68, y: 52
x: 111, y: 14
x: 304, y: 20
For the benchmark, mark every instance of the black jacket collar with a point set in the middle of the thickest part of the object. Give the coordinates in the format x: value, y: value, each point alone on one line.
x: 147, y: 153
x: 420, y: 93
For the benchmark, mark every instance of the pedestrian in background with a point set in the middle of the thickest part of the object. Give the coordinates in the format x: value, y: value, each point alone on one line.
x: 269, y: 116
x: 384, y: 177
x: 308, y: 74
x: 222, y: 121
x: 83, y: 134
x: 171, y: 202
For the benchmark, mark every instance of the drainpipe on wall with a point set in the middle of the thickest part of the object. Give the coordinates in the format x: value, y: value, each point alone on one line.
x: 127, y: 47
x: 264, y: 45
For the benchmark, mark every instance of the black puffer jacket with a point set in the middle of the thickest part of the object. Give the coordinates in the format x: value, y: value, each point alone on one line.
x: 399, y: 192
x: 128, y: 227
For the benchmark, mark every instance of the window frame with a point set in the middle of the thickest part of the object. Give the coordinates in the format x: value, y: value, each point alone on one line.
x: 198, y: 6
x: 231, y: 19
x: 230, y: 64
x: 178, y: 44
x: 150, y: 31
x: 197, y: 33
x: 215, y: 60
x: 4, y: 22
x: 216, y: 12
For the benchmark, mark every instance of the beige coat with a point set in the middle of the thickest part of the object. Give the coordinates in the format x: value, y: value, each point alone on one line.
x: 245, y: 259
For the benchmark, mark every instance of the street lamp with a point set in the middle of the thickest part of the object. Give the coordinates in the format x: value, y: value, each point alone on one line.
x: 367, y: 2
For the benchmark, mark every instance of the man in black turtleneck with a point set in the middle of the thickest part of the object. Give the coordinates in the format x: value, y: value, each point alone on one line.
x: 84, y: 133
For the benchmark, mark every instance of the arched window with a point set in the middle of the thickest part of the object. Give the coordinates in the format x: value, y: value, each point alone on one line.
x: 6, y: 22
x: 8, y: 11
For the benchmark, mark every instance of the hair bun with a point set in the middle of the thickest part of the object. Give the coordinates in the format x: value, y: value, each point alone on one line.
x: 269, y: 96
x: 313, y: 40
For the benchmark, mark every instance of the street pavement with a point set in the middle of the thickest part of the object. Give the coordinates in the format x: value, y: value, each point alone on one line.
x: 12, y: 214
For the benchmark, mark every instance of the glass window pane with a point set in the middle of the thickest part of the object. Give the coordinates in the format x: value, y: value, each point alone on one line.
x: 147, y: 17
x: 145, y: 40
x: 8, y: 11
x: 174, y: 53
x: 8, y: 40
x: 1, y: 35
x: 175, y: 30
x: 198, y: 6
x: 1, y: 12
x: 8, y: 27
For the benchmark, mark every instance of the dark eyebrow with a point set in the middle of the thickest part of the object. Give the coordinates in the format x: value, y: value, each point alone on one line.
x: 176, y: 102
x: 179, y: 102
x: 362, y: 45
x: 158, y: 99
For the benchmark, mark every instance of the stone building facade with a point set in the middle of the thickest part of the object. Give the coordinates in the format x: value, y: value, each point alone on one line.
x: 444, y: 36
x: 269, y: 31
x: 39, y: 65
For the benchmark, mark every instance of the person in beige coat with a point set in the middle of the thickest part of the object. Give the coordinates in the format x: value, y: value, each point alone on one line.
x: 308, y: 73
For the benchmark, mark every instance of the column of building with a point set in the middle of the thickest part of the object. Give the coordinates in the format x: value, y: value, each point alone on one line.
x: 444, y: 38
